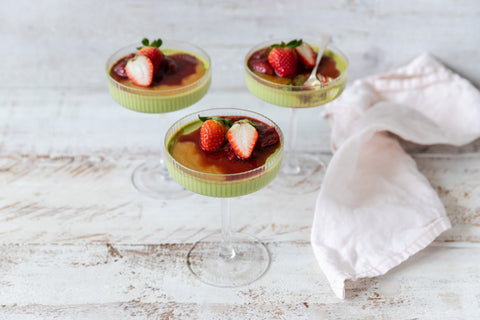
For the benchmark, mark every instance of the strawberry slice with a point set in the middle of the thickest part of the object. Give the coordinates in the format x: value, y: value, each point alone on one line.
x: 213, y: 133
x: 283, y: 58
x: 243, y: 136
x: 139, y: 70
x: 306, y: 55
x: 152, y: 51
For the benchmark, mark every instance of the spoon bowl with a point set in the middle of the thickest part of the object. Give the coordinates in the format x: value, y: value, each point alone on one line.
x: 312, y: 80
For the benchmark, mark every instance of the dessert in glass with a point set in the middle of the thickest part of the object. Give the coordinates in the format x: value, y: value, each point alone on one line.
x: 276, y: 72
x: 158, y: 77
x: 225, y: 153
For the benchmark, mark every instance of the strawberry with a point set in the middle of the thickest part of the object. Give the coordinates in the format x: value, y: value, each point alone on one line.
x: 243, y: 136
x: 139, y: 70
x: 229, y: 153
x: 261, y: 66
x: 283, y: 58
x: 152, y: 51
x: 306, y: 55
x: 212, y: 133
x: 261, y: 54
x: 119, y: 68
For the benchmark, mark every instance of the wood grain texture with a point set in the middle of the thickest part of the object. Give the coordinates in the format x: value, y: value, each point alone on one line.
x: 78, y: 242
x: 71, y: 200
x: 376, y: 35
x: 152, y: 281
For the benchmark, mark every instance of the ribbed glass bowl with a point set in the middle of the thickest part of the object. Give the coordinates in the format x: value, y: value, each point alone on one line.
x: 223, y: 185
x: 297, y: 96
x: 148, y: 100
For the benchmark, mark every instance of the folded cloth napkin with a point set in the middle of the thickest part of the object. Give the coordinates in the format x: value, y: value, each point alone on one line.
x: 375, y: 209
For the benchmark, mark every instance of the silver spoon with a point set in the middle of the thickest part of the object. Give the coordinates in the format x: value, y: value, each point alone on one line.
x: 312, y: 79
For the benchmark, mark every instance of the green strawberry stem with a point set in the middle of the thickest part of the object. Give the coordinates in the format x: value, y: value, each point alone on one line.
x: 226, y: 122
x: 155, y: 43
x: 292, y: 44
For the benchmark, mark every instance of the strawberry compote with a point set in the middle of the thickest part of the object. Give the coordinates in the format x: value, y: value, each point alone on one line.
x: 276, y: 72
x: 177, y: 69
x: 220, y: 173
x: 327, y: 69
x: 185, y: 147
x: 159, y: 77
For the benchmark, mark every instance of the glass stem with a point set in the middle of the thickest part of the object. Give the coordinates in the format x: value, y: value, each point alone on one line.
x: 162, y: 143
x: 290, y: 165
x: 162, y: 156
x: 226, y: 249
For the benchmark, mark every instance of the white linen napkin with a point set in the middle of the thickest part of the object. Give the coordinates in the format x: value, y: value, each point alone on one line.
x: 375, y: 209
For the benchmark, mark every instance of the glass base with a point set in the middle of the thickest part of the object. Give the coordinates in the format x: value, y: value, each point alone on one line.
x: 304, y: 175
x: 250, y: 261
x: 152, y: 179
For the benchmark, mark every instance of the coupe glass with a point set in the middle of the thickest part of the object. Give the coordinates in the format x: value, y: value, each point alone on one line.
x: 152, y: 177
x: 301, y: 172
x: 226, y: 258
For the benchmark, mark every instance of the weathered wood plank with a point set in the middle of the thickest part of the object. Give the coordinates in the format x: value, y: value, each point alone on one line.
x: 78, y: 242
x: 110, y: 281
x: 58, y: 122
x: 375, y: 35
x: 90, y: 122
x: 90, y: 199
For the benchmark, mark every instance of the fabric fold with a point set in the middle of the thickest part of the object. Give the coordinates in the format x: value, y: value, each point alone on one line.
x: 375, y: 209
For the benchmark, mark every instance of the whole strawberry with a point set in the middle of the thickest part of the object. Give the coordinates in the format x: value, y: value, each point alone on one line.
x: 213, y: 133
x: 152, y: 51
x: 283, y: 58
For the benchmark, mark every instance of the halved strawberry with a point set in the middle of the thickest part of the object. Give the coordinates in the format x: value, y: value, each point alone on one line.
x: 306, y: 54
x: 152, y: 51
x: 283, y: 58
x: 139, y: 70
x: 212, y: 133
x: 243, y: 136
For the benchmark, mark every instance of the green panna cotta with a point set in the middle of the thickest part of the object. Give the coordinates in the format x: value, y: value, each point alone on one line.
x: 183, y: 79
x: 290, y: 92
x: 222, y: 173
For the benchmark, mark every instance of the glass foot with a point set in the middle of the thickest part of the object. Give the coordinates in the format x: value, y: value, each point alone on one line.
x: 152, y: 179
x: 303, y: 175
x: 248, y: 263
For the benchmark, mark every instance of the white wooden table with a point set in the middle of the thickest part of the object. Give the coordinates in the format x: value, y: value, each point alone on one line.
x: 78, y: 242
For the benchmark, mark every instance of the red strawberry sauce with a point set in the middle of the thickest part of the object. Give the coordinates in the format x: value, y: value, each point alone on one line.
x: 327, y: 66
x: 226, y: 159
x: 174, y: 69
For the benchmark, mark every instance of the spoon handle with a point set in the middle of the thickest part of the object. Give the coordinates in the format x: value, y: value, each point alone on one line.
x: 321, y: 48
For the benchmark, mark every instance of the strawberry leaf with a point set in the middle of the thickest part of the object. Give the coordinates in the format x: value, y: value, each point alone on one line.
x: 278, y: 45
x: 145, y: 42
x: 156, y: 43
x: 292, y: 44
x: 224, y: 121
